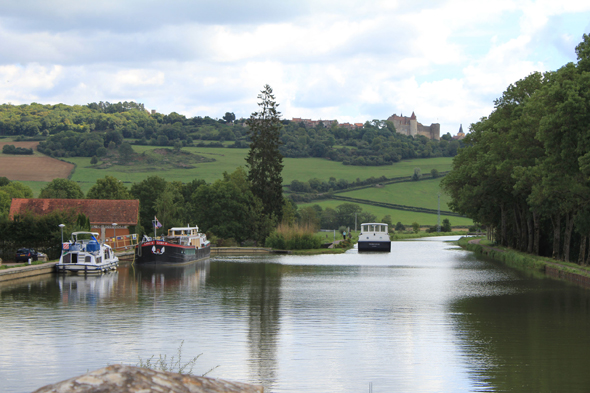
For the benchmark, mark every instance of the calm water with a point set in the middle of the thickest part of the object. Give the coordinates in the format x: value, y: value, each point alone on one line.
x: 428, y: 317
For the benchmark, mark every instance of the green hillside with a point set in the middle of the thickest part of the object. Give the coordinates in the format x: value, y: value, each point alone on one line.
x: 422, y: 193
x: 228, y: 160
x: 405, y: 217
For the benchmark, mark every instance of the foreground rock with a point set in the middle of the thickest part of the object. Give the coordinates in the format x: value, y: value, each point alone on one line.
x: 129, y: 379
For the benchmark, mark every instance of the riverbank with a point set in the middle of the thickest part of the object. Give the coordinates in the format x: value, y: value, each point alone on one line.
x: 407, y: 236
x: 534, y: 264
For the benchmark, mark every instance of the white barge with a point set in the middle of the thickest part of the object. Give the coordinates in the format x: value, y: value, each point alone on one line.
x: 84, y: 253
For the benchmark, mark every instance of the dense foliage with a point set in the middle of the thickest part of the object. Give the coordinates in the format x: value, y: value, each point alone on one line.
x: 11, y: 149
x: 40, y: 233
x: 525, y: 169
x: 62, y: 189
x: 81, y: 130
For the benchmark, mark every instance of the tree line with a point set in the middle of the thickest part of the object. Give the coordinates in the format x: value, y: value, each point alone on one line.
x: 11, y: 149
x: 86, y: 130
x: 525, y: 169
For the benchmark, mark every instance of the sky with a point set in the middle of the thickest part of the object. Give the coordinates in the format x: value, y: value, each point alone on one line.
x: 350, y: 60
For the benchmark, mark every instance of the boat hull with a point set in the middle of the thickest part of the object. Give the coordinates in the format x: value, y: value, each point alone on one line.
x: 84, y: 268
x: 374, y: 246
x: 162, y: 252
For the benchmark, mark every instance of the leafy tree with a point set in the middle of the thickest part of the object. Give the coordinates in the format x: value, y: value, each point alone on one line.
x: 329, y: 219
x: 232, y: 210
x: 94, y: 160
x: 229, y: 117
x: 16, y: 189
x: 446, y: 226
x: 400, y: 227
x: 125, y: 151
x: 62, y: 189
x: 169, y: 207
x: 415, y: 227
x: 108, y: 188
x: 4, y: 181
x: 417, y: 174
x: 346, y: 214
x: 387, y: 220
x: 148, y: 191
x: 5, y: 201
x: 264, y: 161
x: 308, y: 217
x: 289, y: 212
x: 434, y: 173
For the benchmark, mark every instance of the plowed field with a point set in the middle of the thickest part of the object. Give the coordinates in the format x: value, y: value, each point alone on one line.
x: 33, y: 168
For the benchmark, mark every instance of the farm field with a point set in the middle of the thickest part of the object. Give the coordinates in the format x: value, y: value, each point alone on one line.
x: 33, y: 168
x: 227, y: 160
x: 405, y: 217
x: 423, y: 193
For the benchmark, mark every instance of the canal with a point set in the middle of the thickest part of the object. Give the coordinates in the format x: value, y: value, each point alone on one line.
x: 427, y: 317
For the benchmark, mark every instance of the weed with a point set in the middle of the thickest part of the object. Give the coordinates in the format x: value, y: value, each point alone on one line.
x: 174, y: 365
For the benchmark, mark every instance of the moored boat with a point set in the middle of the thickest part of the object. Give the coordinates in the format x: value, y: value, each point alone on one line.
x: 84, y: 253
x: 374, y: 237
x: 181, y: 245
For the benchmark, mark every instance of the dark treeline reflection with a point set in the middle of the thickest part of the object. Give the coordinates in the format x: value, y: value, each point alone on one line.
x: 258, y: 284
x: 536, y: 341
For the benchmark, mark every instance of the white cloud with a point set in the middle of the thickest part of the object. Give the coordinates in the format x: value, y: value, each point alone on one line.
x: 352, y: 60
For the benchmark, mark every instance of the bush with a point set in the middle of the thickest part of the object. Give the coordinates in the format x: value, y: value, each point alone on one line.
x: 344, y: 244
x: 275, y: 241
x: 293, y: 238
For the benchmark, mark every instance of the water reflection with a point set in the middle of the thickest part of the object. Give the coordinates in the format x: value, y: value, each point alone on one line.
x: 186, y: 277
x: 535, y: 337
x: 427, y: 317
x: 89, y: 289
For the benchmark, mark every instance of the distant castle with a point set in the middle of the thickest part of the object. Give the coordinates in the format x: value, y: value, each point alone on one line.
x: 410, y: 126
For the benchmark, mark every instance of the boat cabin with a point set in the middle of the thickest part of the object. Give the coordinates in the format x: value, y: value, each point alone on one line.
x: 374, y: 228
x: 187, y: 236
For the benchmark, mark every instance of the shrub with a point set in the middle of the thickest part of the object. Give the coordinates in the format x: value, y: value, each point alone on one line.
x: 296, y: 237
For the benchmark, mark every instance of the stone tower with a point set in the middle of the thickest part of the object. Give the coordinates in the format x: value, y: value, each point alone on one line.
x: 413, y: 125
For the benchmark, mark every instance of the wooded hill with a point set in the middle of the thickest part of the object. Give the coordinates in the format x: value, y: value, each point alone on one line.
x: 88, y: 130
x: 525, y: 170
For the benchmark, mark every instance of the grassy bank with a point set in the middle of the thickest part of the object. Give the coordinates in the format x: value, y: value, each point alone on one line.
x: 536, y: 265
x: 318, y: 251
x: 405, y: 236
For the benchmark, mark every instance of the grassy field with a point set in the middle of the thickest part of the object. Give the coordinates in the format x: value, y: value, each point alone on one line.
x: 422, y: 193
x: 405, y: 217
x: 227, y: 160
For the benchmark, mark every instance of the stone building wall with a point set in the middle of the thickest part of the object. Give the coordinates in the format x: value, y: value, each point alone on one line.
x: 410, y: 126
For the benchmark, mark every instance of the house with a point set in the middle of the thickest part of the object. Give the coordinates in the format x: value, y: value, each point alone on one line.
x: 102, y: 213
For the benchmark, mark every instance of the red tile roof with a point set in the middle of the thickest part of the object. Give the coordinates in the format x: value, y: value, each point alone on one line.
x: 99, y: 211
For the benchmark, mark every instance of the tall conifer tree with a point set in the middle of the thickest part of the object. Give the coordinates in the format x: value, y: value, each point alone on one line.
x: 264, y: 161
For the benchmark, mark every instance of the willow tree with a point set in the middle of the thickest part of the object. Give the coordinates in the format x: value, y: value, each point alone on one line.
x: 264, y: 161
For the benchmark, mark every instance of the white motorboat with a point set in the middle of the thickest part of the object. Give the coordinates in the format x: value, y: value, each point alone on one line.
x: 84, y: 253
x: 374, y: 236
